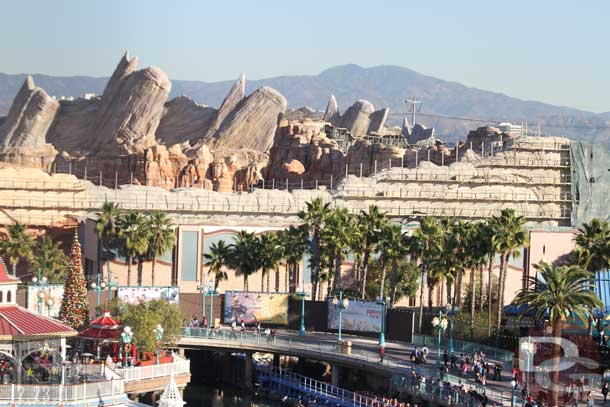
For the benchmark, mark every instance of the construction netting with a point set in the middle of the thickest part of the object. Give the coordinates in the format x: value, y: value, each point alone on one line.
x: 590, y: 170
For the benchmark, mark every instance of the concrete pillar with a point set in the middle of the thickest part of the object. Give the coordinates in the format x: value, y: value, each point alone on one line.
x: 276, y: 360
x: 248, y: 370
x: 336, y: 373
x: 153, y: 398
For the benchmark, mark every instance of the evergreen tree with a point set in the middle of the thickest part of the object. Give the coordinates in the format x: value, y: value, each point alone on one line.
x: 74, y: 310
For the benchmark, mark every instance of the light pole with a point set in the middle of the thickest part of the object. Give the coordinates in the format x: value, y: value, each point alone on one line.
x: 451, y: 311
x: 203, y: 288
x: 126, y: 338
x: 383, y: 302
x: 212, y: 293
x: 528, y: 347
x: 302, y: 294
x: 98, y: 286
x: 159, y: 336
x: 111, y: 282
x: 440, y: 324
x: 341, y: 304
x: 513, y: 384
x: 40, y: 282
x: 50, y: 303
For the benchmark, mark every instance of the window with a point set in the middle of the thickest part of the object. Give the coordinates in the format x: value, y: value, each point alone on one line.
x: 9, y: 296
x: 1, y: 296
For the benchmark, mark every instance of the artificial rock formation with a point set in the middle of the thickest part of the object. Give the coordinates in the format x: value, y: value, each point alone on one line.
x: 359, y: 119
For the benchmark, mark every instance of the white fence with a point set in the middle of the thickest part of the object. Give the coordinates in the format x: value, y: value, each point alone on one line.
x: 55, y: 393
x: 179, y: 366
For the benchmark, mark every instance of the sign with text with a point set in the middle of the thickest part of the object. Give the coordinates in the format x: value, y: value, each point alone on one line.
x: 360, y: 316
x: 254, y: 307
x: 136, y: 295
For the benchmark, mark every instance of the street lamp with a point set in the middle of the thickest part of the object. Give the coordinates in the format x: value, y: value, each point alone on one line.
x: 529, y: 348
x: 513, y: 385
x: 111, y: 282
x: 383, y: 302
x: 451, y: 311
x: 40, y: 282
x: 159, y: 336
x: 440, y: 324
x: 98, y: 286
x: 207, y: 289
x: 126, y: 338
x: 50, y: 303
x: 302, y: 294
x: 341, y: 304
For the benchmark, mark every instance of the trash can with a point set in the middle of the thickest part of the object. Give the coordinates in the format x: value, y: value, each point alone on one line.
x: 348, y: 347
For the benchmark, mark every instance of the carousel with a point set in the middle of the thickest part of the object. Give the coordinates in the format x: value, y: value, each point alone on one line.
x: 32, y: 346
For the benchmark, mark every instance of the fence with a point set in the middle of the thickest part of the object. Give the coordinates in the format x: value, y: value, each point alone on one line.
x: 460, y: 346
x: 179, y: 366
x: 58, y: 393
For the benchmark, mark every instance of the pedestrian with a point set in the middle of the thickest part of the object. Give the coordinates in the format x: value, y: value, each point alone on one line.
x: 445, y: 357
x: 381, y: 353
x: 243, y: 325
x: 453, y: 361
x: 590, y: 401
x: 605, y: 391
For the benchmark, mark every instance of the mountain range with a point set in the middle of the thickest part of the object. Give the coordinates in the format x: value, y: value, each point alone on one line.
x: 384, y: 86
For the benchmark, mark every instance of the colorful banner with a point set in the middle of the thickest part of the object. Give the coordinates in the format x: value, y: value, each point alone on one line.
x: 137, y: 295
x: 254, y: 307
x: 361, y: 316
x: 55, y: 292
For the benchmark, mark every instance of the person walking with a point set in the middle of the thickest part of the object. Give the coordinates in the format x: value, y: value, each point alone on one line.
x: 605, y: 391
x: 590, y: 401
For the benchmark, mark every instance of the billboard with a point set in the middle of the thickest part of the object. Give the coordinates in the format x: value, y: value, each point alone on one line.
x: 361, y: 316
x: 136, y: 295
x: 255, y: 307
x: 55, y: 292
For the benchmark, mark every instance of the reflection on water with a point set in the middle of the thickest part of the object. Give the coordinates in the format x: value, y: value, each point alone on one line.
x: 203, y: 395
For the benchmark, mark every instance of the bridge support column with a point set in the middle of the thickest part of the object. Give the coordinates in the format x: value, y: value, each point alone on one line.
x: 336, y: 374
x: 248, y: 370
x: 276, y: 360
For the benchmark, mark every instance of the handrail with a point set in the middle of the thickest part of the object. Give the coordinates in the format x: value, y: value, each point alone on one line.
x: 179, y: 366
x: 59, y: 392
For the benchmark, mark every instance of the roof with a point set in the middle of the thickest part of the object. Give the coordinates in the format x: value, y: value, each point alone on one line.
x: 4, y: 275
x: 16, y: 321
x: 103, y: 327
x: 105, y: 321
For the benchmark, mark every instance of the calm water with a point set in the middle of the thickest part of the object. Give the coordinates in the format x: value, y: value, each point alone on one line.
x: 203, y: 395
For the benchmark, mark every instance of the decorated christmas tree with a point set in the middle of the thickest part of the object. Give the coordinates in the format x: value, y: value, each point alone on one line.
x: 74, y: 309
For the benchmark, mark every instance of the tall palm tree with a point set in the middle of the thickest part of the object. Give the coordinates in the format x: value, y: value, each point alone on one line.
x: 392, y: 248
x: 107, y: 231
x: 336, y: 236
x: 315, y: 218
x: 592, y: 249
x: 562, y: 292
x: 215, y: 259
x: 161, y: 237
x: 370, y: 224
x: 271, y: 252
x: 294, y: 242
x: 132, y: 239
x: 427, y: 243
x: 488, y: 232
x: 244, y: 255
x: 16, y: 245
x: 509, y: 237
x: 50, y: 259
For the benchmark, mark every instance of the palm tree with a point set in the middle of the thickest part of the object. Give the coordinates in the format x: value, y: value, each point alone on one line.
x: 50, y: 259
x: 106, y: 227
x: 294, y: 242
x: 314, y: 218
x: 488, y: 232
x: 16, y: 245
x: 592, y: 249
x: 509, y: 237
x: 426, y: 244
x: 161, y: 237
x: 393, y: 248
x: 271, y: 252
x: 244, y: 255
x: 336, y: 236
x: 370, y: 224
x: 563, y: 292
x: 215, y: 259
x: 132, y: 239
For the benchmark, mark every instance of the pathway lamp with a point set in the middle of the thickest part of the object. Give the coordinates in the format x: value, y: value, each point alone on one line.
x: 159, y: 337
x: 513, y: 385
x: 207, y: 289
x: 302, y: 294
x: 111, y: 282
x: 40, y: 281
x: 126, y: 345
x: 384, y: 304
x: 439, y: 324
x: 50, y: 303
x: 98, y: 286
x: 451, y: 312
x: 341, y: 304
x: 528, y: 347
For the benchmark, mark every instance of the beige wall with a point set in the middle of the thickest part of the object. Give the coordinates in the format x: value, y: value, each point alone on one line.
x: 550, y: 245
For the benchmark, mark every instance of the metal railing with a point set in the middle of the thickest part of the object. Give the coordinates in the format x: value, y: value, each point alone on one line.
x: 57, y: 393
x: 460, y: 346
x: 179, y: 366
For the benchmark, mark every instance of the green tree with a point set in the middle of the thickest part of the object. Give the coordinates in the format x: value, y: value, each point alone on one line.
x: 392, y: 248
x: 50, y: 259
x: 370, y: 225
x: 132, y: 239
x: 562, y: 292
x: 508, y: 238
x: 244, y: 255
x: 336, y: 237
x: 16, y: 245
x: 488, y: 231
x: 271, y: 252
x: 315, y: 218
x: 74, y: 309
x: 592, y: 250
x: 107, y: 231
x: 407, y: 282
x: 294, y: 242
x: 161, y: 237
x: 216, y: 259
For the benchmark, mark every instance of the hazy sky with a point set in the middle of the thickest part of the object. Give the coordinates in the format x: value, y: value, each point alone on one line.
x: 553, y: 51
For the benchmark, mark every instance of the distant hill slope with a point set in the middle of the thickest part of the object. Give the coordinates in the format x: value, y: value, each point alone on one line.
x: 382, y: 85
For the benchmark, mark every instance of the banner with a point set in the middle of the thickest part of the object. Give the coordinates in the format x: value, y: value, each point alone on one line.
x: 137, y: 295
x: 55, y: 292
x: 254, y: 307
x: 361, y: 316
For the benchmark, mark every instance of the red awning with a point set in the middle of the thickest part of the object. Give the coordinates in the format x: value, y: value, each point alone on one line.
x: 17, y: 321
x: 103, y: 327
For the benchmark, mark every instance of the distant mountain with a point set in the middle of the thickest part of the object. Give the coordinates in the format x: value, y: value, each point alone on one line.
x: 382, y: 85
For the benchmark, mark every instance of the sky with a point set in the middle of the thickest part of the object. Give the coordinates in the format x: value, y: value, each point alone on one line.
x: 552, y: 51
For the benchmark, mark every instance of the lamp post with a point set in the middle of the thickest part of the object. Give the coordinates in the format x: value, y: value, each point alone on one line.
x: 50, y: 303
x: 211, y: 293
x: 203, y: 289
x: 341, y: 304
x: 513, y: 385
x: 302, y: 294
x: 40, y: 282
x: 440, y: 324
x: 207, y: 289
x: 159, y: 336
x: 126, y: 338
x: 383, y: 302
x: 528, y: 347
x: 451, y: 311
x: 111, y: 282
x: 98, y: 286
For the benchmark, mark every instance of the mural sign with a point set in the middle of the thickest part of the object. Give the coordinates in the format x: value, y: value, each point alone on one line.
x: 137, y: 295
x: 360, y: 316
x: 254, y: 307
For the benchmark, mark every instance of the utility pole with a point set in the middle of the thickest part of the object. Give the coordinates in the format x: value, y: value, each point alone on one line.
x: 413, y: 106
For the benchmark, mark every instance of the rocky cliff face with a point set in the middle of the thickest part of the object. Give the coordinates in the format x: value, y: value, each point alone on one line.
x: 360, y: 119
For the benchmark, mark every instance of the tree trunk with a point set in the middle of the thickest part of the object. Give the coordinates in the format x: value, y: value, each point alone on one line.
x: 268, y: 280
x: 337, y: 274
x: 457, y: 300
x: 245, y: 282
x: 365, y: 269
x: 100, y: 245
x: 557, y: 331
x: 503, y: 261
x: 394, y: 281
x: 129, y: 259
x: 287, y: 277
x: 430, y: 296
x: 472, y: 300
x: 315, y: 262
x: 421, y: 298
x: 489, y: 292
x: 152, y: 269
x: 449, y: 298
x: 480, y: 287
x: 264, y: 271
x: 382, y: 282
x: 140, y: 265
